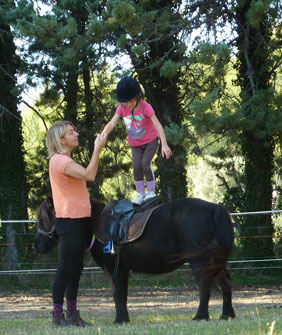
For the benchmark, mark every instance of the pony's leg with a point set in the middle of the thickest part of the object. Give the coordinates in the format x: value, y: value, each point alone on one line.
x: 205, y: 284
x: 117, y: 279
x: 119, y: 284
x: 120, y: 296
x: 225, y: 284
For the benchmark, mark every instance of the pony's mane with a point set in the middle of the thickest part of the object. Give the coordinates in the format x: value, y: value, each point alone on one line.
x: 46, y: 209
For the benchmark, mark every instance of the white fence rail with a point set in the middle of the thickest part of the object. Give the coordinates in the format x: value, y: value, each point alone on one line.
x: 96, y: 269
x: 99, y: 270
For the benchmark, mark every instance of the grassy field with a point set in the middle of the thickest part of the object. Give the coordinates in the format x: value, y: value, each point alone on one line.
x: 153, y: 311
x: 253, y: 322
x: 258, y: 305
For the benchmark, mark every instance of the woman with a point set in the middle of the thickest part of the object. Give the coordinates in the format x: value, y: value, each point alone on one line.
x: 73, y: 213
x: 143, y: 130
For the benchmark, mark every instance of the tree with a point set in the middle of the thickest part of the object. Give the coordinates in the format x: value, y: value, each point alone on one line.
x: 73, y: 38
x: 252, y: 120
x: 13, y: 188
x: 63, y: 54
x: 258, y: 44
x: 224, y: 84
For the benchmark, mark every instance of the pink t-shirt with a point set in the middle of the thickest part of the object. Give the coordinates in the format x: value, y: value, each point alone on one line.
x: 70, y: 195
x: 140, y: 129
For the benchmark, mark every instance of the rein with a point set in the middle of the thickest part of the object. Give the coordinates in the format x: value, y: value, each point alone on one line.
x: 91, y: 243
x: 50, y: 234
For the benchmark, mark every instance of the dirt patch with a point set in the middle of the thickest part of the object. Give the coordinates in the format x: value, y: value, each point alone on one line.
x: 99, y: 302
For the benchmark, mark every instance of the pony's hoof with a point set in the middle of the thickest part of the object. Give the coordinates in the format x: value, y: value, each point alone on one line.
x: 224, y: 317
x: 200, y: 318
x: 228, y: 315
x: 121, y: 321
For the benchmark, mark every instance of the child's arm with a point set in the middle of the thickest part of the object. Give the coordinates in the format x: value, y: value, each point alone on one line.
x: 110, y: 125
x: 166, y: 152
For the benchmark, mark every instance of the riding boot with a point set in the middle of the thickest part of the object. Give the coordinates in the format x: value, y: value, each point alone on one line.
x: 75, y: 319
x: 60, y: 321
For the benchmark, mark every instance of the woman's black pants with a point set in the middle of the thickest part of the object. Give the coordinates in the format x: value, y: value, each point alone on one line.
x: 73, y: 234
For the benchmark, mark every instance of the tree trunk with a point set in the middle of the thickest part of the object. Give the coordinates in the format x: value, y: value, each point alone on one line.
x: 258, y: 196
x: 90, y: 126
x: 13, y: 189
x: 257, y: 145
x: 71, y: 91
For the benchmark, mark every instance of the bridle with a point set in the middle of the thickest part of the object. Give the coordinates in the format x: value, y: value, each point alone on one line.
x: 50, y: 233
x: 52, y: 229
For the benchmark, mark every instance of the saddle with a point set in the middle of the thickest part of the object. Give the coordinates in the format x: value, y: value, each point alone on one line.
x: 122, y: 222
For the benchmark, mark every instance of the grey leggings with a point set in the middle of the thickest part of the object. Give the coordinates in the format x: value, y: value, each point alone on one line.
x: 142, y: 160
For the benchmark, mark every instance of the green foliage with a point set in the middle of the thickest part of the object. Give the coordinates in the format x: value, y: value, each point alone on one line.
x: 163, y: 21
x: 176, y: 133
x: 252, y: 121
x: 138, y: 50
x: 36, y: 161
x: 68, y: 30
x: 125, y: 13
x: 13, y: 187
x: 207, y: 54
x: 201, y: 106
x: 277, y: 239
x: 96, y: 29
x: 169, y: 69
x: 257, y: 12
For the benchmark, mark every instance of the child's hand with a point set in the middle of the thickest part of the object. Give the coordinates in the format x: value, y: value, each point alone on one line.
x: 166, y: 152
x: 100, y: 141
x: 104, y: 134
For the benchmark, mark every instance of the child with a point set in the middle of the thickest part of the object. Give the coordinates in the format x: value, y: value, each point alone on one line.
x: 143, y: 129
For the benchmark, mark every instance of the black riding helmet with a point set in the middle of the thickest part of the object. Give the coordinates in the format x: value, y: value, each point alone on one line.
x: 127, y: 89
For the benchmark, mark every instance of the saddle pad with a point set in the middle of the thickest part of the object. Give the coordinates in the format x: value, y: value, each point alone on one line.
x: 136, y: 227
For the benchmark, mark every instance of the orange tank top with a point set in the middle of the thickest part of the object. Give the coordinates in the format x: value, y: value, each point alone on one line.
x: 70, y: 195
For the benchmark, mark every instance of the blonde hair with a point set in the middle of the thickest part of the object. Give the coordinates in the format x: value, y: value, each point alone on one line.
x: 54, y: 134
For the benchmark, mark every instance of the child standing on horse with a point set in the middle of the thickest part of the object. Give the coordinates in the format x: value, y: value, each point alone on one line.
x: 143, y: 130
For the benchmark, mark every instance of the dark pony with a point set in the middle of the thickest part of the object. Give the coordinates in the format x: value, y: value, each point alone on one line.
x: 185, y: 230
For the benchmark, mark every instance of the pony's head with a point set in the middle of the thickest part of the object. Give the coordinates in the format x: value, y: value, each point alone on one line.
x: 45, y: 238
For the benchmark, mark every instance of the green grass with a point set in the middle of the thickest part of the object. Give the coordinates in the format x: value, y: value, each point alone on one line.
x: 251, y: 322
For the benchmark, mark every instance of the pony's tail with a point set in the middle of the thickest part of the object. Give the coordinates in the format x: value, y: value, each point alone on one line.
x: 224, y: 232
x: 222, y: 243
x: 218, y: 250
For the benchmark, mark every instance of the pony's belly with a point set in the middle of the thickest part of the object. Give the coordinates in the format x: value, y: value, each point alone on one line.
x: 154, y: 267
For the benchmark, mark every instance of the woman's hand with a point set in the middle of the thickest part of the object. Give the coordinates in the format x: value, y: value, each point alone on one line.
x: 76, y: 170
x: 100, y: 141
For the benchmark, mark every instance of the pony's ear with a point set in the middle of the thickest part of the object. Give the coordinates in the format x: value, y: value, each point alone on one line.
x: 50, y: 202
